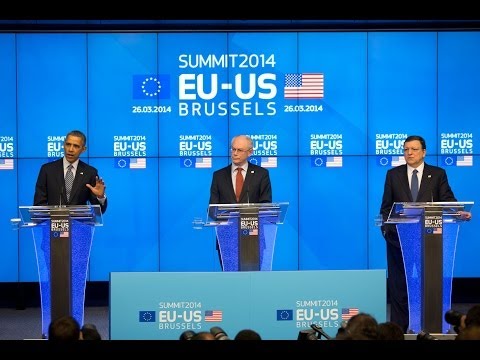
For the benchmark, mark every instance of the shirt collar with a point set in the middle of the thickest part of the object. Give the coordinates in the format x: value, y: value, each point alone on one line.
x: 66, y: 163
x: 419, y: 168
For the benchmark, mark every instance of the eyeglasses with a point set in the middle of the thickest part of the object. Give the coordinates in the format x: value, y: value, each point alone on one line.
x: 233, y: 150
x: 412, y: 149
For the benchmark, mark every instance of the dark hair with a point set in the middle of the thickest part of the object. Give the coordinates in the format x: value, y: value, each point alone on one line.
x: 247, y: 334
x: 390, y: 331
x: 473, y: 316
x: 416, y: 137
x: 90, y: 332
x: 78, y: 133
x: 65, y: 328
x: 362, y: 326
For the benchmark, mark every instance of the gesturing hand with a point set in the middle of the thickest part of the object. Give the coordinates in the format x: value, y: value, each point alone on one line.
x: 99, y: 189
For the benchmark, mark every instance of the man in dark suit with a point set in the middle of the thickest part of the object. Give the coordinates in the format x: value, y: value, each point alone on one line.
x: 433, y: 186
x: 255, y: 187
x: 52, y: 187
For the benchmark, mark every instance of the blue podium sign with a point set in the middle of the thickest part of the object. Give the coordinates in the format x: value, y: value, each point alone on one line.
x: 277, y: 304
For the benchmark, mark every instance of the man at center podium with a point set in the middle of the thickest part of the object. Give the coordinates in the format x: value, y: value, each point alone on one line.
x: 252, y: 185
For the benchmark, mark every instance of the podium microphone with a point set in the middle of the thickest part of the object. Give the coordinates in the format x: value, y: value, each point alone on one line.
x: 61, y: 194
x: 248, y: 194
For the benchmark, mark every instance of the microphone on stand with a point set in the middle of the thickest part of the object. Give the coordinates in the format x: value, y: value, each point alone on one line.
x: 248, y: 194
x: 61, y: 194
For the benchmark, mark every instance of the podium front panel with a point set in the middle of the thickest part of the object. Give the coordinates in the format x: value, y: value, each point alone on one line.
x: 411, y: 236
x: 81, y: 238
x: 228, y: 240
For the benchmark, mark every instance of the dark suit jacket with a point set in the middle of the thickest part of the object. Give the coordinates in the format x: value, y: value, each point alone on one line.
x: 50, y: 186
x: 434, y: 187
x: 256, y: 188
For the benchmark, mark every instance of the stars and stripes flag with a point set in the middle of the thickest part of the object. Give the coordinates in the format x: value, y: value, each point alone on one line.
x: 304, y: 86
x: 203, y: 162
x: 347, y: 313
x: 213, y: 315
x: 465, y: 160
x: 6, y: 164
x: 268, y: 162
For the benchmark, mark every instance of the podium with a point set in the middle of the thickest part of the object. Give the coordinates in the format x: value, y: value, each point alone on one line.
x: 63, y: 237
x: 246, y: 233
x: 428, y: 236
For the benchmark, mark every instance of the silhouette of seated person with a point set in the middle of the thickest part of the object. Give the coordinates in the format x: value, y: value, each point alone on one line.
x: 90, y: 332
x: 469, y: 328
x: 360, y: 327
x: 65, y: 328
x: 203, y: 335
x: 390, y: 331
x: 247, y: 334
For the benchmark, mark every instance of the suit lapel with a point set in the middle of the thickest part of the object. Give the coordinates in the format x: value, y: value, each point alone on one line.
x: 427, y: 177
x: 228, y: 180
x: 404, y: 183
x: 60, y: 178
x: 248, y: 179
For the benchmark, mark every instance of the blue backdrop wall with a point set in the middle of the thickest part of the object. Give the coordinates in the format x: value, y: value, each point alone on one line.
x: 159, y: 110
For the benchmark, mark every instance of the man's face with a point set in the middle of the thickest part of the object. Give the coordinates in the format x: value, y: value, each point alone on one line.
x: 240, y: 151
x: 413, y: 153
x: 73, y: 147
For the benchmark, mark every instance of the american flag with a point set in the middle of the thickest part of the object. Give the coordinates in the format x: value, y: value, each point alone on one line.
x: 64, y: 234
x: 465, y: 160
x: 138, y: 163
x: 347, y: 313
x: 334, y: 161
x: 6, y: 164
x: 304, y: 86
x: 398, y: 160
x: 213, y: 315
x: 268, y: 162
x: 203, y: 162
x: 437, y: 230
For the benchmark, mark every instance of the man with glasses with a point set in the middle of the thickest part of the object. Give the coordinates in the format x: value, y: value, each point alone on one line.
x: 414, y: 181
x: 241, y: 181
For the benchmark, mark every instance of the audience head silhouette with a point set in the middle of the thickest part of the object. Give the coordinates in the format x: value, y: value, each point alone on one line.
x: 203, y: 335
x: 360, y: 327
x: 65, y: 328
x: 390, y: 331
x: 247, y: 334
x: 90, y: 332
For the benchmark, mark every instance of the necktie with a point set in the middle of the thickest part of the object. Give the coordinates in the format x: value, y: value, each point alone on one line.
x: 414, y: 185
x: 238, y: 183
x: 68, y: 181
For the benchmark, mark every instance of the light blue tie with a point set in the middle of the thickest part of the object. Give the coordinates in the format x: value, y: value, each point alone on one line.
x: 414, y: 185
x: 68, y: 181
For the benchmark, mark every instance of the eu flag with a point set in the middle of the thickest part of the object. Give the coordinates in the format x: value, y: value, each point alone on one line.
x: 283, y: 315
x: 151, y: 86
x: 146, y: 316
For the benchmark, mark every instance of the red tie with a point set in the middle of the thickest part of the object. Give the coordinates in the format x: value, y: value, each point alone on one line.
x: 238, y: 183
